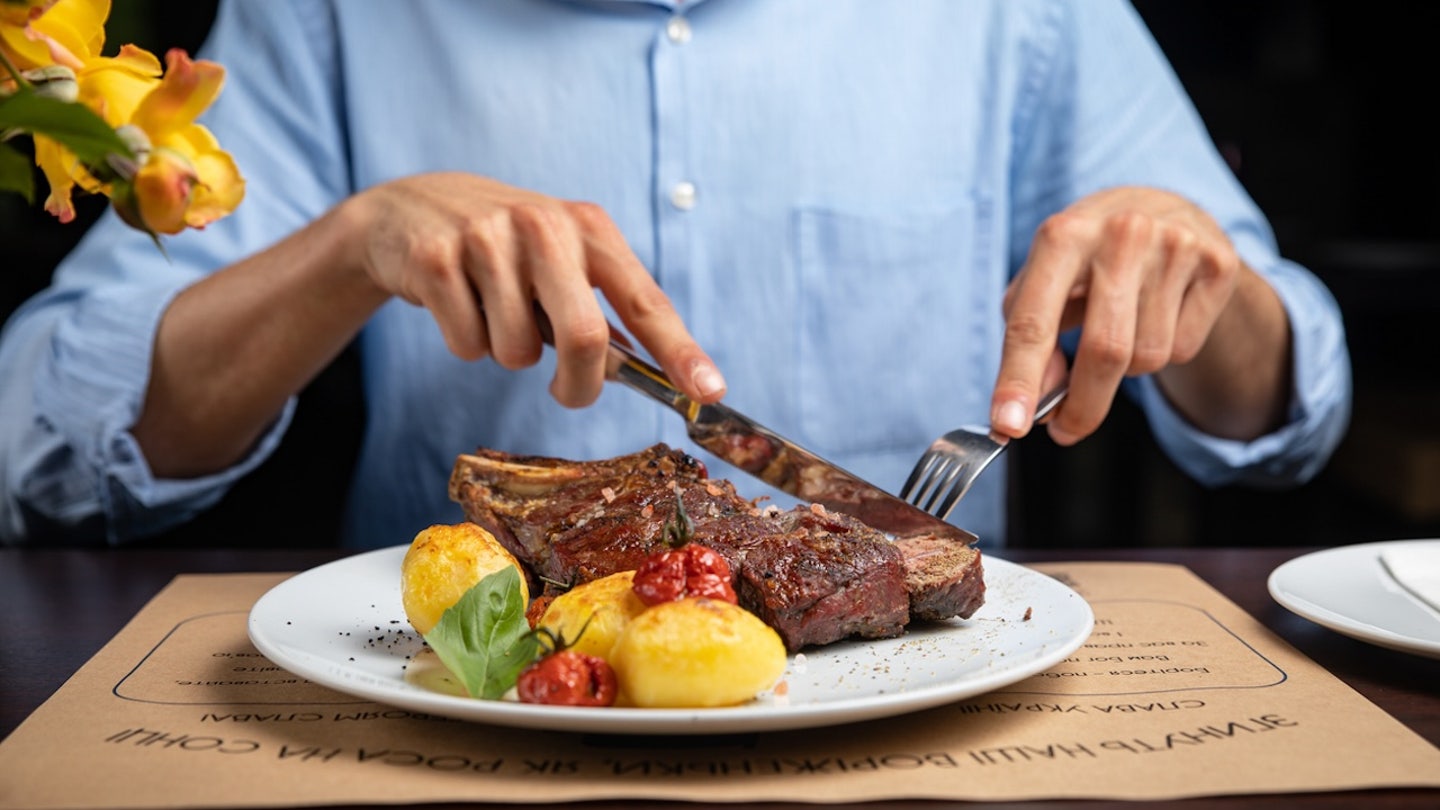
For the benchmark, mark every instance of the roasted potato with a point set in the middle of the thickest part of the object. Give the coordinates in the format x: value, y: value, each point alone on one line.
x: 696, y: 652
x: 607, y: 604
x: 445, y: 561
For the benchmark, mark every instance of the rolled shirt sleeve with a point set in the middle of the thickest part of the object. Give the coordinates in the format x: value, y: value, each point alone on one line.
x: 1318, y: 413
x: 80, y: 350
x: 73, y: 469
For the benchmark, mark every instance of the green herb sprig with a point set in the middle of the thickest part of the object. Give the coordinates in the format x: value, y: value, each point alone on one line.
x: 484, y: 638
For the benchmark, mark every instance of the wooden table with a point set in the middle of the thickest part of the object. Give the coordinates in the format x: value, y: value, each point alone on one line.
x: 60, y: 607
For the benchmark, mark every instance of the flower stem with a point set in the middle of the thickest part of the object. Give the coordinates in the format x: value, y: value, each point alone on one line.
x: 13, y: 71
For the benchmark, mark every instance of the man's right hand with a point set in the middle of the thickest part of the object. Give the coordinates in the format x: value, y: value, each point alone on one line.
x: 479, y: 254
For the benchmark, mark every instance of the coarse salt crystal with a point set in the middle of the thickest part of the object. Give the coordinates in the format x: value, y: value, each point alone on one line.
x: 648, y: 510
x: 609, y: 494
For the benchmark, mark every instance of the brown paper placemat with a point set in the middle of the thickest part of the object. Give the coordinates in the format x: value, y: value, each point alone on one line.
x: 1177, y: 693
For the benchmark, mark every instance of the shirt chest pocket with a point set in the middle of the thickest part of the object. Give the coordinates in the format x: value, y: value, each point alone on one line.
x: 900, y: 323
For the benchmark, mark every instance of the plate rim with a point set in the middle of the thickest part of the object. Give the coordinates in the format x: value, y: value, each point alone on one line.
x: 686, y: 721
x: 1339, y: 621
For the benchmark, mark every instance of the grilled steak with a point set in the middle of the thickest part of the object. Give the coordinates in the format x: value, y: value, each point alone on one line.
x: 815, y: 576
x: 942, y: 577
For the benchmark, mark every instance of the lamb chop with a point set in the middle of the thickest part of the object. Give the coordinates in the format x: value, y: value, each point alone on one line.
x: 816, y: 576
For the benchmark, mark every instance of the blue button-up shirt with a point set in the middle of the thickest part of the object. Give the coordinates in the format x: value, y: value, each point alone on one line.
x: 834, y: 193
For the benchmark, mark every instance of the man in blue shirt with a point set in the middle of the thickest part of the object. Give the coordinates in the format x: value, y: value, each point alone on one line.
x: 879, y: 220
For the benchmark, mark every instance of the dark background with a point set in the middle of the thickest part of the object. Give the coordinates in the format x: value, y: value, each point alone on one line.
x: 1323, y: 110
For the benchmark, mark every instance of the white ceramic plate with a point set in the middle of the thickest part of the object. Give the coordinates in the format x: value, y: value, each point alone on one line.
x: 1348, y: 590
x: 342, y: 625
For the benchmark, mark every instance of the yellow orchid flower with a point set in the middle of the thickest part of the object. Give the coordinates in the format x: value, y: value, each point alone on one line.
x: 219, y: 186
x: 113, y: 87
x: 185, y: 156
x: 35, y: 33
x: 176, y: 176
x: 183, y: 178
x: 156, y: 200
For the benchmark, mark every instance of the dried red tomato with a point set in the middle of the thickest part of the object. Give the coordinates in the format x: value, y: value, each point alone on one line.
x: 535, y: 611
x: 691, y: 570
x: 568, y: 678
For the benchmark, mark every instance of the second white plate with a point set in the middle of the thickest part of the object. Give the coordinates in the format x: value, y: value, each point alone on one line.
x: 1348, y: 590
x: 342, y: 625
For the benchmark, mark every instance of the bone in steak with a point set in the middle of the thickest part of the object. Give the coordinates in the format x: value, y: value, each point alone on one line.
x: 815, y: 576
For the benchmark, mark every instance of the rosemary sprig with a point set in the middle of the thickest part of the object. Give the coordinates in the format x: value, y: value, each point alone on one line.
x: 679, y: 528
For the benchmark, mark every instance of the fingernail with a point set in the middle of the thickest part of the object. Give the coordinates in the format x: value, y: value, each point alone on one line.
x: 707, y: 380
x: 1010, y: 417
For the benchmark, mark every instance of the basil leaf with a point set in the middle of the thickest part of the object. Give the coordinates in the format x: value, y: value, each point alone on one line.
x: 484, y: 639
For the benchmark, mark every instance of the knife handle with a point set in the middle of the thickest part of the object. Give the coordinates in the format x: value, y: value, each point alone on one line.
x: 624, y: 366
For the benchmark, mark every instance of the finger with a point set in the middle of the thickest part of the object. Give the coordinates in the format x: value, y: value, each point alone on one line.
x: 1036, y: 301
x: 1074, y: 301
x: 1057, y: 372
x: 555, y: 255
x: 644, y: 308
x: 493, y: 265
x: 437, y: 281
x: 1204, y: 299
x: 1161, y: 295
x: 1107, y: 337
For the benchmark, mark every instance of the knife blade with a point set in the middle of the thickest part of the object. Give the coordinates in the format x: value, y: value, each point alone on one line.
x: 749, y: 446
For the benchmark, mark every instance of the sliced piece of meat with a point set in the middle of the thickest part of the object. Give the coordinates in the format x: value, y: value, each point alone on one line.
x: 814, y: 576
x: 817, y: 577
x: 944, y: 578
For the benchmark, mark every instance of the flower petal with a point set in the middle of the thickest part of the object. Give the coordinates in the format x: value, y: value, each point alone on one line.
x: 187, y: 88
x: 19, y: 12
x: 56, y: 162
x: 219, y: 192
x: 162, y: 190
x: 66, y: 33
x: 114, y: 87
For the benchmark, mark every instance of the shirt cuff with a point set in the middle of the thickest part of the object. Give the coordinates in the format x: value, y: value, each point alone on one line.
x: 1316, y: 418
x: 1211, y: 460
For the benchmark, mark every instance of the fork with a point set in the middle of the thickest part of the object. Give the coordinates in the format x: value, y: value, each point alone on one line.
x: 945, y: 472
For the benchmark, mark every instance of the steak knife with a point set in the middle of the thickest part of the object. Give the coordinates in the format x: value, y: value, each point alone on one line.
x: 770, y: 457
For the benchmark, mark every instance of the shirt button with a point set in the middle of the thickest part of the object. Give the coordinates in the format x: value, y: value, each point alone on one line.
x: 678, y: 30
x: 682, y: 195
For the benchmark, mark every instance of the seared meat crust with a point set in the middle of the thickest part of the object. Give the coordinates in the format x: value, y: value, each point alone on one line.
x: 815, y: 576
